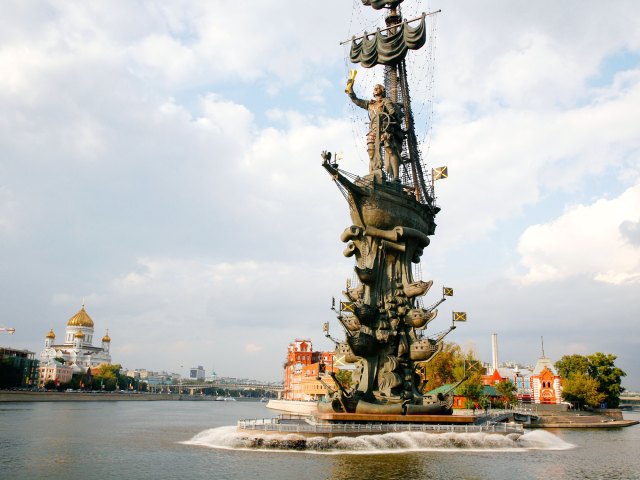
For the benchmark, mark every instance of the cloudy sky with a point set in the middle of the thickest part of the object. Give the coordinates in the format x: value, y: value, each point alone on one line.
x: 161, y: 161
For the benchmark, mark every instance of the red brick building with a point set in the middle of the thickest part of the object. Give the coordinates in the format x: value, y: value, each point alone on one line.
x: 545, y: 383
x: 302, y: 368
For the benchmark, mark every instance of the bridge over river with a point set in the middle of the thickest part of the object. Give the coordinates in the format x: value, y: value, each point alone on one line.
x: 200, y: 388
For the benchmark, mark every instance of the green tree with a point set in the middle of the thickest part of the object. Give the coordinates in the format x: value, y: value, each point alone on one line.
x: 471, y: 389
x: 602, y: 367
x: 582, y: 389
x: 599, y: 367
x: 569, y: 364
x: 76, y: 378
x: 507, y: 391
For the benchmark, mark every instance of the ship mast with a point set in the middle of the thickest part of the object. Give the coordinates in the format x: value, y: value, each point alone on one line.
x: 396, y: 83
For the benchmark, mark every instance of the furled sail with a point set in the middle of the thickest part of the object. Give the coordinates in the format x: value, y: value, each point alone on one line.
x: 384, y: 48
x: 378, y: 4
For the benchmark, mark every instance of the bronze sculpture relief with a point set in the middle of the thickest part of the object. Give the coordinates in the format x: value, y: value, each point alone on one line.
x: 393, y: 213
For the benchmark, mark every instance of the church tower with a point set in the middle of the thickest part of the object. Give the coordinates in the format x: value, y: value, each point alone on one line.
x: 106, y: 342
x: 49, y: 339
x: 78, y: 340
x: 81, y: 321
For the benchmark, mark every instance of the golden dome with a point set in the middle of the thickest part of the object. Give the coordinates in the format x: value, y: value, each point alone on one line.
x: 80, y: 319
x: 106, y: 337
x: 79, y: 334
x: 51, y: 334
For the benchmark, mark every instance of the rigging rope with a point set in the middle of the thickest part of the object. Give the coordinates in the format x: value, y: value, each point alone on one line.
x: 421, y: 78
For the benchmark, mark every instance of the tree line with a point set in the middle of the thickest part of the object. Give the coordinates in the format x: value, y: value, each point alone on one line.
x: 591, y: 380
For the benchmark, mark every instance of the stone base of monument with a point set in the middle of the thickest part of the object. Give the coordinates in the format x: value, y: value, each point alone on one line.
x: 328, y: 418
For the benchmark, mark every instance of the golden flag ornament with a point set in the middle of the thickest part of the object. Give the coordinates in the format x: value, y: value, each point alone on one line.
x: 347, y: 307
x: 447, y: 292
x: 440, y: 173
x: 459, y: 316
x: 339, y: 361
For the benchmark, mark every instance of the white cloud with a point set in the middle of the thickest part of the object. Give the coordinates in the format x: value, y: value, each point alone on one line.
x: 252, y: 348
x: 166, y: 56
x: 8, y: 210
x: 585, y: 240
x: 164, y: 162
x: 510, y: 159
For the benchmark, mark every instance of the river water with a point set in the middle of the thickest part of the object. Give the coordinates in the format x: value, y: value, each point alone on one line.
x: 196, y: 440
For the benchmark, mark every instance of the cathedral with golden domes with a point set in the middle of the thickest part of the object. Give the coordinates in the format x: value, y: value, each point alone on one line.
x: 77, y: 349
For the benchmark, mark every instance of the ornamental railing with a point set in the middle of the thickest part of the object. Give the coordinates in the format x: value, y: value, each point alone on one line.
x: 276, y: 425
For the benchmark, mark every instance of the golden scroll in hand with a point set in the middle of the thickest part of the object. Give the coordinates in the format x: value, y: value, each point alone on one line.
x: 351, y: 81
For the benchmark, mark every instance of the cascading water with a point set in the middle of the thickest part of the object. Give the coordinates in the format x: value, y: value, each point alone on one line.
x: 402, y: 442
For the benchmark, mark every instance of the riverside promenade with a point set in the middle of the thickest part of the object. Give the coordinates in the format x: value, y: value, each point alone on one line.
x: 27, y: 396
x: 559, y: 418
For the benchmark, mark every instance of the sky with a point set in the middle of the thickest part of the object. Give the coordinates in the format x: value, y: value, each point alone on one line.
x: 160, y: 162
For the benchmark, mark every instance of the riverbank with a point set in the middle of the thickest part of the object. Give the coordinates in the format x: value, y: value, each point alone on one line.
x: 545, y: 416
x: 27, y: 396
x: 610, y: 418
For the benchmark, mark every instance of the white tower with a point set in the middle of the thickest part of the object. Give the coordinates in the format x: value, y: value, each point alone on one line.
x: 494, y: 351
x: 49, y: 339
x: 106, y: 342
x: 78, y: 339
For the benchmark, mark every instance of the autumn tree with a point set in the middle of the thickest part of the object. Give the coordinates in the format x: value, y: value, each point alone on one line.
x: 472, y: 388
x: 344, y: 378
x: 107, y: 377
x: 440, y: 369
x: 451, y: 365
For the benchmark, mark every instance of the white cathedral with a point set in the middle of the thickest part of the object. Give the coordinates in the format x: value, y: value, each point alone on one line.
x: 77, y: 349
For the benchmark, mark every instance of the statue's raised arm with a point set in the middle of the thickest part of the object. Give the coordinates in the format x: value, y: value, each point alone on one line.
x: 384, y: 130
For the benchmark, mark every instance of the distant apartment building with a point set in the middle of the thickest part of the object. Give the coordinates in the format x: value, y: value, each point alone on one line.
x: 197, y: 373
x: 307, y: 372
x: 54, y: 371
x: 18, y: 368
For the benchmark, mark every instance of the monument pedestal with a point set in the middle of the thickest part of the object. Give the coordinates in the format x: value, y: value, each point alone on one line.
x: 359, y: 418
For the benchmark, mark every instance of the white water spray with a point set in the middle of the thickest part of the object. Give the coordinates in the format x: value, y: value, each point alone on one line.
x: 400, y: 442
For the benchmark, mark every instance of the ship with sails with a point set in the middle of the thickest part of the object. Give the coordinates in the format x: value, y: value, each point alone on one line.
x: 393, y: 210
